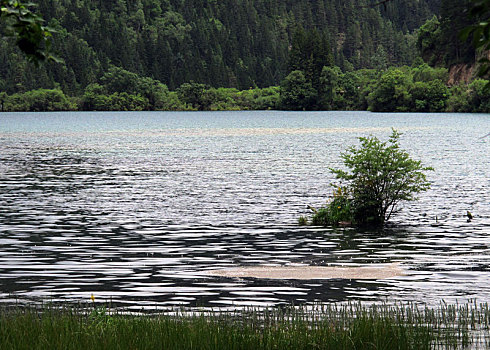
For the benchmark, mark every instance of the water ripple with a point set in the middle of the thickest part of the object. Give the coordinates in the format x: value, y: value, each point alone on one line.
x: 97, y: 203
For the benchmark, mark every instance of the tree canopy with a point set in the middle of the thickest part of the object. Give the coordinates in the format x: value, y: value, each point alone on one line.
x: 229, y: 43
x: 179, y: 54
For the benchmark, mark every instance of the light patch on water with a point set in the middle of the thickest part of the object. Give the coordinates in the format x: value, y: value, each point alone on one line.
x: 269, y: 131
x: 366, y: 272
x: 206, y: 132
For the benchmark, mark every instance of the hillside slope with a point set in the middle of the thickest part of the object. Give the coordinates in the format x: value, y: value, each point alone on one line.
x: 230, y: 43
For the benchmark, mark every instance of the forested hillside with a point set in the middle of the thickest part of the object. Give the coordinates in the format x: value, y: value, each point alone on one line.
x: 223, y: 43
x: 439, y: 40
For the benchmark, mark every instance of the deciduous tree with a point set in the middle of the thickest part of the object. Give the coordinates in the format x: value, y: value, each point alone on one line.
x: 297, y: 93
x: 380, y: 175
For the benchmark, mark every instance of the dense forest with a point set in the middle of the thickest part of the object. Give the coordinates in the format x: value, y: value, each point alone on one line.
x: 226, y: 43
x: 196, y: 54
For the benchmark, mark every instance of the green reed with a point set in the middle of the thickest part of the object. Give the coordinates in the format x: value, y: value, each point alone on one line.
x: 322, y: 326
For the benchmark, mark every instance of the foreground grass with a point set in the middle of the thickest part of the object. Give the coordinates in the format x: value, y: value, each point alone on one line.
x: 322, y: 327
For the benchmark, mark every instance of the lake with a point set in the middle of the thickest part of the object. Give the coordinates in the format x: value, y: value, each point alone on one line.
x: 135, y: 207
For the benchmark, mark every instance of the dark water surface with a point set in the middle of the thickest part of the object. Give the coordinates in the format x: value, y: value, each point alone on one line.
x: 135, y: 207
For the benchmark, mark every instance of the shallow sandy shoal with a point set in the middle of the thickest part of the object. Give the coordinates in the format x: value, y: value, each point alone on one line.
x: 311, y: 272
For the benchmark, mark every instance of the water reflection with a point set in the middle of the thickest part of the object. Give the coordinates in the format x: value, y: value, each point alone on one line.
x: 137, y: 216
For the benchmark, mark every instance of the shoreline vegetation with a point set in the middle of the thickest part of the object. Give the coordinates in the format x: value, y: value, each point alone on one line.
x: 418, y: 88
x: 321, y: 326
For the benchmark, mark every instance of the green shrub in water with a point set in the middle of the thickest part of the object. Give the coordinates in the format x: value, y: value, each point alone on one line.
x: 379, y: 176
x: 302, y: 221
x: 337, y: 211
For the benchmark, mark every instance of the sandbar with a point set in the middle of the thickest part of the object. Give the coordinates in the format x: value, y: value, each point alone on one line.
x: 301, y: 272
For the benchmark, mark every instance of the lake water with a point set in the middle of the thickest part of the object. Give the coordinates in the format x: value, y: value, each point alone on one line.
x: 136, y: 207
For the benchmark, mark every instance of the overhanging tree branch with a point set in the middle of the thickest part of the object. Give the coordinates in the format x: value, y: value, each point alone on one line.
x: 31, y: 36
